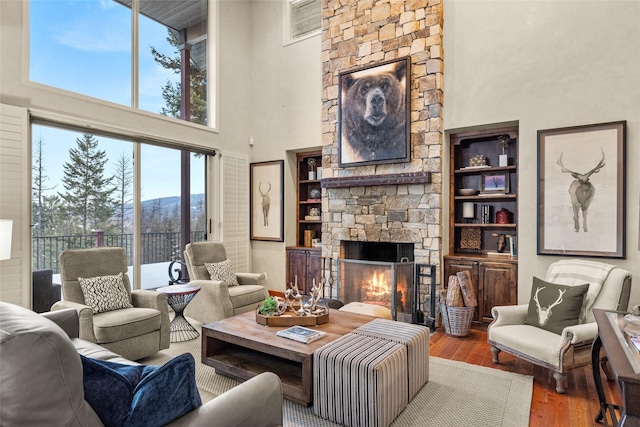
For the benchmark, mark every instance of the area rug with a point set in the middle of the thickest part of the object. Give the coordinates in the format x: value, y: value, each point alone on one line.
x: 457, y: 394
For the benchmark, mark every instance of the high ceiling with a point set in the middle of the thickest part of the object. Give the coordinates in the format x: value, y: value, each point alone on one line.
x: 178, y: 15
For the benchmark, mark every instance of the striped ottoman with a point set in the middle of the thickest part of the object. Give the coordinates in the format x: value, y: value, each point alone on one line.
x: 414, y: 337
x: 359, y: 381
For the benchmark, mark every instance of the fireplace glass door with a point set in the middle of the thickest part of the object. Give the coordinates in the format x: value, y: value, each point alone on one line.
x: 388, y: 284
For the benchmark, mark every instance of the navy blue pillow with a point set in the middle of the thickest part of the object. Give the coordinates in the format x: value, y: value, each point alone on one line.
x: 139, y: 395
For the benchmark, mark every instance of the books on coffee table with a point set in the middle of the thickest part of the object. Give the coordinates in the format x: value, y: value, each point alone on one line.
x: 302, y: 334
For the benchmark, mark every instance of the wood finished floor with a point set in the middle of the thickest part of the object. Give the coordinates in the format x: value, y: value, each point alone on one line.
x: 576, y: 408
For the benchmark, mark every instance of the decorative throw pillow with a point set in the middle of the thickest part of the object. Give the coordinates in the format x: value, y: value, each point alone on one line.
x: 105, y: 293
x: 554, y: 307
x: 222, y: 271
x: 127, y: 395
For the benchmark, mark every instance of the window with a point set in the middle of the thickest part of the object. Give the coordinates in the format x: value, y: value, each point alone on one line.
x: 83, y: 196
x: 85, y: 46
x: 302, y: 19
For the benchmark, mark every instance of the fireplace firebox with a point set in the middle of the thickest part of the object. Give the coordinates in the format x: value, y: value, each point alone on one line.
x: 388, y: 284
x: 380, y: 273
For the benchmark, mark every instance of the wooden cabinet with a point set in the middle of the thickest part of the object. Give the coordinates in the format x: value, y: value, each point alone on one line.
x: 483, y: 215
x: 306, y: 265
x: 495, y: 281
x: 304, y: 261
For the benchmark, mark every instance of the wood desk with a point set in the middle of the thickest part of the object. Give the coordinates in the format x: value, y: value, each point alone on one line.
x: 625, y: 364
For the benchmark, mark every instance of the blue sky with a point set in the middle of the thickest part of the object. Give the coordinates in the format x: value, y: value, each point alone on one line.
x: 84, y: 46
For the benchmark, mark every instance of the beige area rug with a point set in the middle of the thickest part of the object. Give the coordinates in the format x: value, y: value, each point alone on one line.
x: 457, y: 394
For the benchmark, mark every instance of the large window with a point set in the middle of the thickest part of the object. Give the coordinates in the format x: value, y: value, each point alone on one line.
x: 85, y: 46
x: 83, y: 196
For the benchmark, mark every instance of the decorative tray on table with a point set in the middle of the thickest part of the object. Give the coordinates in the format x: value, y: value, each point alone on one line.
x: 293, y: 310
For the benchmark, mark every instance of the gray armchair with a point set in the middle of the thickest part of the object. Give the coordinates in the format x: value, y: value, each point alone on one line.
x: 216, y: 300
x: 572, y: 348
x: 133, y: 333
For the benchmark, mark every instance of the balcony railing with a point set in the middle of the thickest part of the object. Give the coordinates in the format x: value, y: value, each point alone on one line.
x: 156, y: 247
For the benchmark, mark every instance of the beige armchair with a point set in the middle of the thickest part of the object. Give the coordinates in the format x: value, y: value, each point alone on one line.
x: 217, y: 300
x: 133, y: 333
x: 560, y: 352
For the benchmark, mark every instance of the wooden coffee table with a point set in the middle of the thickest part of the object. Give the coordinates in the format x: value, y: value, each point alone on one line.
x: 240, y: 348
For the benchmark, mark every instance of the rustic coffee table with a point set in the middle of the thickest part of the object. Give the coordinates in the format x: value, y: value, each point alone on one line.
x: 240, y: 348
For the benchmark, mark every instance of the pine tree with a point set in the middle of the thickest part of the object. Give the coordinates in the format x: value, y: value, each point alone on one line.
x: 123, y: 178
x: 39, y: 214
x: 88, y: 193
x: 171, y: 90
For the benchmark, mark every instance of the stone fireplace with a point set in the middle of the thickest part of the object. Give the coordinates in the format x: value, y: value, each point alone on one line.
x: 394, y: 202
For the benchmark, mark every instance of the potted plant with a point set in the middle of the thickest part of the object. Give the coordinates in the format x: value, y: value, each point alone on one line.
x: 269, y: 307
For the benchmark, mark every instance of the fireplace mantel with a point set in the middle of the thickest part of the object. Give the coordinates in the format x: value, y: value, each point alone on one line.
x: 373, y: 180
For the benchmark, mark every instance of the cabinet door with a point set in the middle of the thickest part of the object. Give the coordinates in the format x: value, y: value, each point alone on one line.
x: 452, y: 266
x: 314, y: 267
x: 500, y: 286
x: 296, y: 267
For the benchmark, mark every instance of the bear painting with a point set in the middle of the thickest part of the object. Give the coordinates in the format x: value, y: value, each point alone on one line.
x: 373, y: 114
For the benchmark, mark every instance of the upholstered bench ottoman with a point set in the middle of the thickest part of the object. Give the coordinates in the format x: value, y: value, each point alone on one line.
x: 360, y: 381
x: 414, y: 337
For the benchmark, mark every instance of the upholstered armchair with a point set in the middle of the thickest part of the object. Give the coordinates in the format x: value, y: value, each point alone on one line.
x: 221, y: 297
x: 138, y: 328
x: 520, y: 329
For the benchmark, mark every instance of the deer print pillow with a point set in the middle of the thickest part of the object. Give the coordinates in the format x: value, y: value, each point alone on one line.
x: 554, y: 307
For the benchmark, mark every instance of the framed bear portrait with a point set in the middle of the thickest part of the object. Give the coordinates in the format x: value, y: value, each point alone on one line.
x: 373, y: 114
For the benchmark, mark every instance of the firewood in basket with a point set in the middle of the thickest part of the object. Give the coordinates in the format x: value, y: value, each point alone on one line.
x: 454, y: 296
x: 466, y: 286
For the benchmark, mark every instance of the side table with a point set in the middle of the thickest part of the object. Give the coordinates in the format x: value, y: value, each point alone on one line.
x: 625, y: 364
x: 178, y: 297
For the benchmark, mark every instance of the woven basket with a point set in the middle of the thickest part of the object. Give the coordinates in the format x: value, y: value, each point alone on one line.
x: 457, y: 320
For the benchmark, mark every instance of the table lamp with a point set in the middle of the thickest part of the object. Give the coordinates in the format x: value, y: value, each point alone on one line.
x: 468, y: 211
x: 5, y: 238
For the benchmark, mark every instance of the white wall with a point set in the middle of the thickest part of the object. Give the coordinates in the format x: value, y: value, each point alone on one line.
x: 285, y: 105
x: 546, y: 64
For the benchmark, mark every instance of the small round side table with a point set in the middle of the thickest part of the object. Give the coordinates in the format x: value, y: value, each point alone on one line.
x: 178, y: 297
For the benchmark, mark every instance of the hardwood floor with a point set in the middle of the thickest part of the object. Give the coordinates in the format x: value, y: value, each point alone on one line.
x: 576, y: 408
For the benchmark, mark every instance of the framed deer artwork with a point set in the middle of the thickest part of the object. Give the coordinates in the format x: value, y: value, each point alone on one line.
x: 581, y: 190
x: 267, y: 200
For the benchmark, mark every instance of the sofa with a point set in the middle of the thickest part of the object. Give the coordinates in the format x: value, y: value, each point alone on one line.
x: 41, y: 378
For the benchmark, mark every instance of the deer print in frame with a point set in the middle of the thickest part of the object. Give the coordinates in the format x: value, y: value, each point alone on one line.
x: 267, y: 200
x: 582, y: 190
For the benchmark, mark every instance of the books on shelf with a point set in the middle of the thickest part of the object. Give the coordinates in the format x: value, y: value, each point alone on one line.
x: 302, y: 334
x: 486, y: 212
x: 312, y: 217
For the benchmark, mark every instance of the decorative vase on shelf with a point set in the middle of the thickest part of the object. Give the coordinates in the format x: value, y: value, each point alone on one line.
x: 504, y: 141
x: 315, y: 193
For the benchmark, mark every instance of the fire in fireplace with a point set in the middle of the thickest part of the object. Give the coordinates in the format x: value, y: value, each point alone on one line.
x: 380, y: 273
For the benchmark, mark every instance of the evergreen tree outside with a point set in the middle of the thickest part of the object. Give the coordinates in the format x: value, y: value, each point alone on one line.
x: 171, y: 90
x: 123, y: 178
x: 88, y: 193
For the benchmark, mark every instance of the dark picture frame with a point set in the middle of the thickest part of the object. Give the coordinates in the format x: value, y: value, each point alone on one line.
x: 373, y: 114
x: 572, y: 162
x: 496, y: 182
x: 267, y: 200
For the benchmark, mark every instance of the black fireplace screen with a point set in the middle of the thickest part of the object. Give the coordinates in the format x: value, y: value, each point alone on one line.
x: 388, y: 284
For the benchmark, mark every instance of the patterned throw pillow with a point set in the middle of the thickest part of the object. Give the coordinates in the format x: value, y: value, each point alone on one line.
x: 554, y: 307
x: 222, y: 271
x: 105, y: 293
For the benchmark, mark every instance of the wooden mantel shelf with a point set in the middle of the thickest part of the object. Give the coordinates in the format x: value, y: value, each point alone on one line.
x: 373, y: 180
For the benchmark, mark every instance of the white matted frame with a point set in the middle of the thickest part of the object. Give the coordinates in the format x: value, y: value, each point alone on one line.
x: 267, y: 200
x: 581, y: 190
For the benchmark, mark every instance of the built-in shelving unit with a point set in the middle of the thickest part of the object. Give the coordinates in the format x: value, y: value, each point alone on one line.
x: 304, y: 259
x: 473, y: 239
